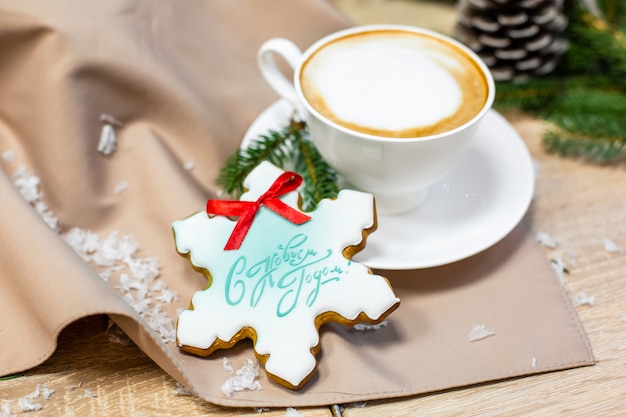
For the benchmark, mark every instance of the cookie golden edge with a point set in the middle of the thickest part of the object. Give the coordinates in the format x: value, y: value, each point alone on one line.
x: 248, y: 332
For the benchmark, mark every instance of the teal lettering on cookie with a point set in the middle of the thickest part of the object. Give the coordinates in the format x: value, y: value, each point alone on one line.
x: 295, y: 271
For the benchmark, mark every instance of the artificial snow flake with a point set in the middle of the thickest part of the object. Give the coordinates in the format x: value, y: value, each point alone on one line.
x: 108, y: 140
x: 161, y: 323
x: 159, y: 286
x: 9, y: 156
x: 145, y: 269
x: 140, y: 304
x: 75, y: 386
x: 190, y: 165
x: 108, y: 272
x: 181, y: 390
x: 228, y: 367
x: 114, y: 249
x: 28, y: 404
x: 546, y: 240
x: 5, y: 410
x: 167, y: 296
x: 292, y: 412
x: 610, y: 246
x: 583, y: 299
x: 479, y: 332
x: 46, y: 391
x: 28, y: 186
x: 126, y: 284
x: 121, y: 187
x: 533, y: 363
x: 244, y: 379
x: 559, y: 268
x: 360, y: 327
x: 47, y: 216
x: 84, y: 242
x: 108, y: 136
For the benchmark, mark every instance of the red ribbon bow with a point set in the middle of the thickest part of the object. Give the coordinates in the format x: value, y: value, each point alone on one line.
x: 246, y: 210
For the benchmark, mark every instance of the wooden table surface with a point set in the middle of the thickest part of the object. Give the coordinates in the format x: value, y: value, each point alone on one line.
x: 582, y: 206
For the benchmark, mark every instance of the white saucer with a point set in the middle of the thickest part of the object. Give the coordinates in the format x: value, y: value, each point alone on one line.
x: 472, y: 208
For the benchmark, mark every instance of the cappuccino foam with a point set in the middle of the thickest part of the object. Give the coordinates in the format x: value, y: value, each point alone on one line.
x: 394, y: 84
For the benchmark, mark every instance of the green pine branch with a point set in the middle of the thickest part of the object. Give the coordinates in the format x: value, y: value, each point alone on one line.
x: 290, y: 149
x: 273, y: 147
x: 584, y: 100
x: 599, y: 149
x: 320, y: 180
x: 14, y: 376
x: 534, y: 95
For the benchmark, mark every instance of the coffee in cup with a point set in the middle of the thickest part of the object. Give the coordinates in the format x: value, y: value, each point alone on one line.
x: 394, y: 83
x: 392, y: 108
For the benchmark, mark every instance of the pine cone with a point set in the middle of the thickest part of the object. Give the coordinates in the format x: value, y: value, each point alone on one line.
x: 516, y: 38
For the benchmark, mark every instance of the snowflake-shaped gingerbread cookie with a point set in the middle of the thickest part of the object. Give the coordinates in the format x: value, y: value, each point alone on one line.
x: 277, y: 274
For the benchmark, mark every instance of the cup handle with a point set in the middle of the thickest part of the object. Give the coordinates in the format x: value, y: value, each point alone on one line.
x: 272, y: 73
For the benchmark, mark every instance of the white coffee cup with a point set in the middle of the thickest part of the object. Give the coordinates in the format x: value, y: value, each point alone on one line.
x: 392, y: 108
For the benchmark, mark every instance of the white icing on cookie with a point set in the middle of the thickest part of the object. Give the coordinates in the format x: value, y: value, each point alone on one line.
x: 282, y: 278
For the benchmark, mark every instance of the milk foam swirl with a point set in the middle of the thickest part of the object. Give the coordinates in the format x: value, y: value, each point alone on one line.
x: 394, y: 83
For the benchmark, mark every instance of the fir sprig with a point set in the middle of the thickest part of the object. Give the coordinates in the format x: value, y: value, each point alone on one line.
x: 272, y: 147
x: 584, y: 100
x: 320, y: 180
x: 604, y: 149
x: 290, y: 149
x: 9, y: 377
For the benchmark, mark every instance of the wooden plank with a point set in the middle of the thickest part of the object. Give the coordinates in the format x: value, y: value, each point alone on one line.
x: 94, y: 376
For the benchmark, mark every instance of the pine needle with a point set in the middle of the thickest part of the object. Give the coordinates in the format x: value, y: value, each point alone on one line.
x: 272, y: 147
x: 9, y: 377
x: 595, y: 149
x: 320, y: 180
x: 585, y: 98
x: 290, y: 149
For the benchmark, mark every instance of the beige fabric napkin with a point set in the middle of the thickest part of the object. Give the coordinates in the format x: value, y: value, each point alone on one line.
x: 182, y: 79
